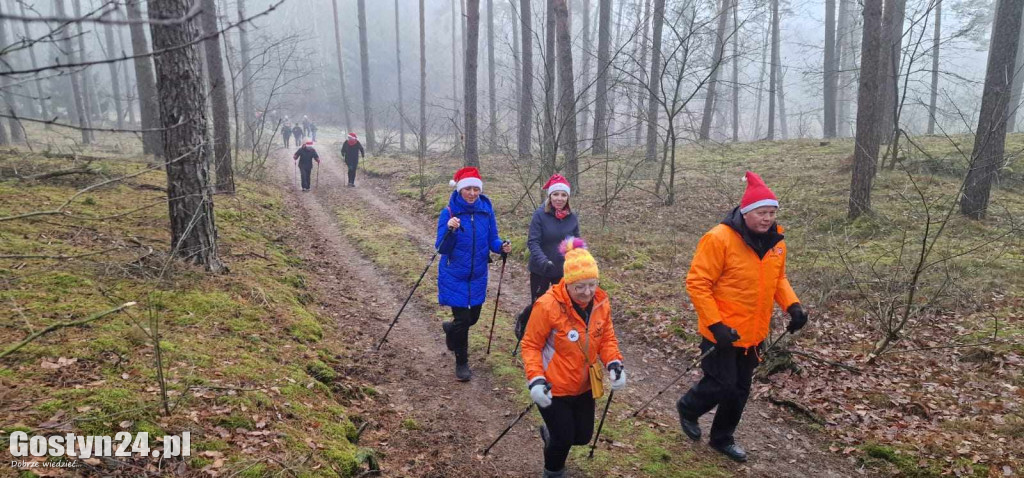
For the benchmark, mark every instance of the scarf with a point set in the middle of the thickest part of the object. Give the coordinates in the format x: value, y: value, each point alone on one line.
x: 351, y: 142
x: 562, y: 213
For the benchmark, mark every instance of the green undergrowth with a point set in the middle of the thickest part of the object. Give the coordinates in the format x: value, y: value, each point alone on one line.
x: 249, y: 364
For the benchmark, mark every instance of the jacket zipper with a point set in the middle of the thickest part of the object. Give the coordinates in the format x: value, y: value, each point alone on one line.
x: 472, y: 261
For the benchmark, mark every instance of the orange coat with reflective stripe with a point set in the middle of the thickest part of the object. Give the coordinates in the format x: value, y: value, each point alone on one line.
x: 728, y: 283
x: 549, y: 350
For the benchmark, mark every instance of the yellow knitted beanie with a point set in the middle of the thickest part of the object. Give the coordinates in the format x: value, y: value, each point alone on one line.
x: 579, y: 264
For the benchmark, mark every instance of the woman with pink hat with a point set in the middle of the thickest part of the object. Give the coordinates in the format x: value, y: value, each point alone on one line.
x: 467, y: 234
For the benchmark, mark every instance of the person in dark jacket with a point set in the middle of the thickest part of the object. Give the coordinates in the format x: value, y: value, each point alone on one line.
x: 350, y: 150
x: 466, y: 235
x: 297, y: 133
x: 304, y: 158
x: 305, y: 125
x: 286, y: 133
x: 312, y: 131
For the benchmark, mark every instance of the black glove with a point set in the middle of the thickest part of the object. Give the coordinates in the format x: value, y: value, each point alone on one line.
x: 615, y: 369
x: 724, y: 335
x: 797, y: 318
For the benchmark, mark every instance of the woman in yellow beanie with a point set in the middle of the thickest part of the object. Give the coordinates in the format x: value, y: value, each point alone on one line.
x: 570, y: 328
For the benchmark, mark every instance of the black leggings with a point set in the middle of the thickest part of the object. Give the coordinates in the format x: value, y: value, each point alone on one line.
x: 458, y: 336
x: 539, y: 285
x: 352, y: 171
x: 570, y: 421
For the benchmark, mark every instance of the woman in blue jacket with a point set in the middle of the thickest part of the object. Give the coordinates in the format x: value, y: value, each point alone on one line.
x: 466, y: 235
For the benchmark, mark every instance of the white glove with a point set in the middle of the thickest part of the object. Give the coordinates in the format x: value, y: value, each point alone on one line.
x: 618, y: 375
x: 540, y: 392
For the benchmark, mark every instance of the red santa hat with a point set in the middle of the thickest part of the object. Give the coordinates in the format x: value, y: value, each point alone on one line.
x: 557, y: 183
x: 309, y: 142
x: 757, y: 194
x: 466, y: 177
x: 352, y: 136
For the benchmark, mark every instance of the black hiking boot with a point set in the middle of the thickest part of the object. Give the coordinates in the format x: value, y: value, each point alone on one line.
x: 690, y: 426
x: 556, y: 474
x: 447, y: 327
x: 733, y: 451
x: 462, y: 371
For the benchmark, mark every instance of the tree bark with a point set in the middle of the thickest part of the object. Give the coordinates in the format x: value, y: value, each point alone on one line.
x: 17, y: 135
x: 180, y: 86
x: 613, y: 109
x: 145, y: 82
x: 492, y: 121
x: 517, y: 57
x: 401, y: 105
x: 548, y: 142
x: 218, y: 100
x: 341, y: 68
x: 773, y: 74
x: 892, y: 49
x: 567, y: 98
x: 126, y: 74
x: 88, y: 92
x: 526, y: 100
x: 471, y: 157
x: 248, y: 105
x: 716, y: 63
x: 76, y: 88
x: 654, y: 82
x: 115, y: 80
x: 587, y: 53
x: 42, y: 97
x: 829, y: 88
x: 735, y: 71
x: 455, y: 60
x: 1018, y: 85
x: 600, y: 142
x: 865, y: 151
x: 641, y: 92
x: 933, y: 99
x: 990, y: 136
x: 364, y: 61
x: 765, y: 47
x: 423, y: 83
x: 844, y: 53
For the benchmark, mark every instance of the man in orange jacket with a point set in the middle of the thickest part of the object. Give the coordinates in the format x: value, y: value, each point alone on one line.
x: 736, y: 277
x: 570, y: 327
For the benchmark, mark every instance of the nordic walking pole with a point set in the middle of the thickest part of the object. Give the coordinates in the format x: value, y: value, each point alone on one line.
x: 318, y: 174
x: 411, y: 292
x: 772, y: 345
x: 601, y: 423
x: 504, y: 257
x: 520, y: 417
x: 673, y: 382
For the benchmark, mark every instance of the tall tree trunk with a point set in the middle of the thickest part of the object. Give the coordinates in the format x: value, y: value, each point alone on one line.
x: 829, y: 88
x: 193, y: 231
x: 892, y: 48
x: 218, y: 100
x: 145, y: 82
x: 760, y: 82
x: 865, y: 150
x: 126, y: 73
x: 401, y: 105
x: 548, y: 143
x: 248, y: 105
x: 773, y: 74
x: 364, y: 60
x: 42, y: 97
x: 526, y: 100
x: 587, y: 53
x: 641, y: 91
x: 735, y: 71
x: 492, y: 104
x: 600, y: 142
x: 609, y: 124
x: 341, y: 68
x: 654, y: 82
x: 783, y: 129
x: 567, y: 98
x: 472, y: 157
x: 423, y: 84
x: 1018, y: 85
x: 844, y: 53
x: 990, y: 136
x: 88, y: 92
x: 455, y: 60
x: 17, y: 135
x: 76, y: 88
x: 936, y: 37
x: 517, y: 57
x: 716, y: 63
x: 115, y: 80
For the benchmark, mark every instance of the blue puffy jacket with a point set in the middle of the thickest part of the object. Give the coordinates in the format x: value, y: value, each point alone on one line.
x: 462, y: 273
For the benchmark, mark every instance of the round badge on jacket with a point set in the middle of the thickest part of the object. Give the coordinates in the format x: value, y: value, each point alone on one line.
x: 573, y: 335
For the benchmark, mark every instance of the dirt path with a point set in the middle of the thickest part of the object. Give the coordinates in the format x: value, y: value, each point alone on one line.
x: 424, y: 422
x: 419, y: 384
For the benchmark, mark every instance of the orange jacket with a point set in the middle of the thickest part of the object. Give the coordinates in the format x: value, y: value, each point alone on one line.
x: 728, y: 283
x: 549, y: 351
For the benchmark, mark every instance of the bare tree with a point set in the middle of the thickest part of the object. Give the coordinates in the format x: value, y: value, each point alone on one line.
x: 193, y: 232
x: 655, y: 76
x: 892, y: 49
x: 847, y: 63
x: 401, y: 105
x: 88, y: 92
x: 567, y: 98
x: 472, y: 157
x: 548, y: 148
x: 341, y: 68
x: 1018, y: 86
x: 936, y: 37
x: 41, y: 97
x: 492, y: 122
x: 129, y: 96
x: 455, y: 61
x: 865, y: 151
x: 600, y: 142
x: 115, y: 80
x: 17, y: 135
x: 990, y: 136
x: 517, y: 62
x: 735, y: 71
x: 364, y: 61
x: 248, y: 105
x: 76, y: 88
x: 716, y: 62
x: 422, y: 148
x: 587, y: 54
x: 526, y: 100
x: 145, y: 82
x: 773, y: 74
x: 830, y: 68
x: 641, y: 91
x: 218, y: 99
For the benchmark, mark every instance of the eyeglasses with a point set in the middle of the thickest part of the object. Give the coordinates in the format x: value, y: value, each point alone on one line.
x: 581, y: 287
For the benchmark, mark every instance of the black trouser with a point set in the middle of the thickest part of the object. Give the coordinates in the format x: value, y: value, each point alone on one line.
x: 539, y: 285
x: 352, y: 171
x: 570, y: 421
x: 728, y: 372
x: 306, y: 169
x: 286, y: 136
x: 457, y: 338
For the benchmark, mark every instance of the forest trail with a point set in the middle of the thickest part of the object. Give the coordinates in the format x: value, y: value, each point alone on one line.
x: 415, y: 372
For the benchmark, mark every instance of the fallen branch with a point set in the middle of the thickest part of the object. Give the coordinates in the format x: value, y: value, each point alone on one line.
x: 54, y: 327
x: 798, y: 408
x: 59, y: 173
x: 826, y: 362
x: 59, y: 257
